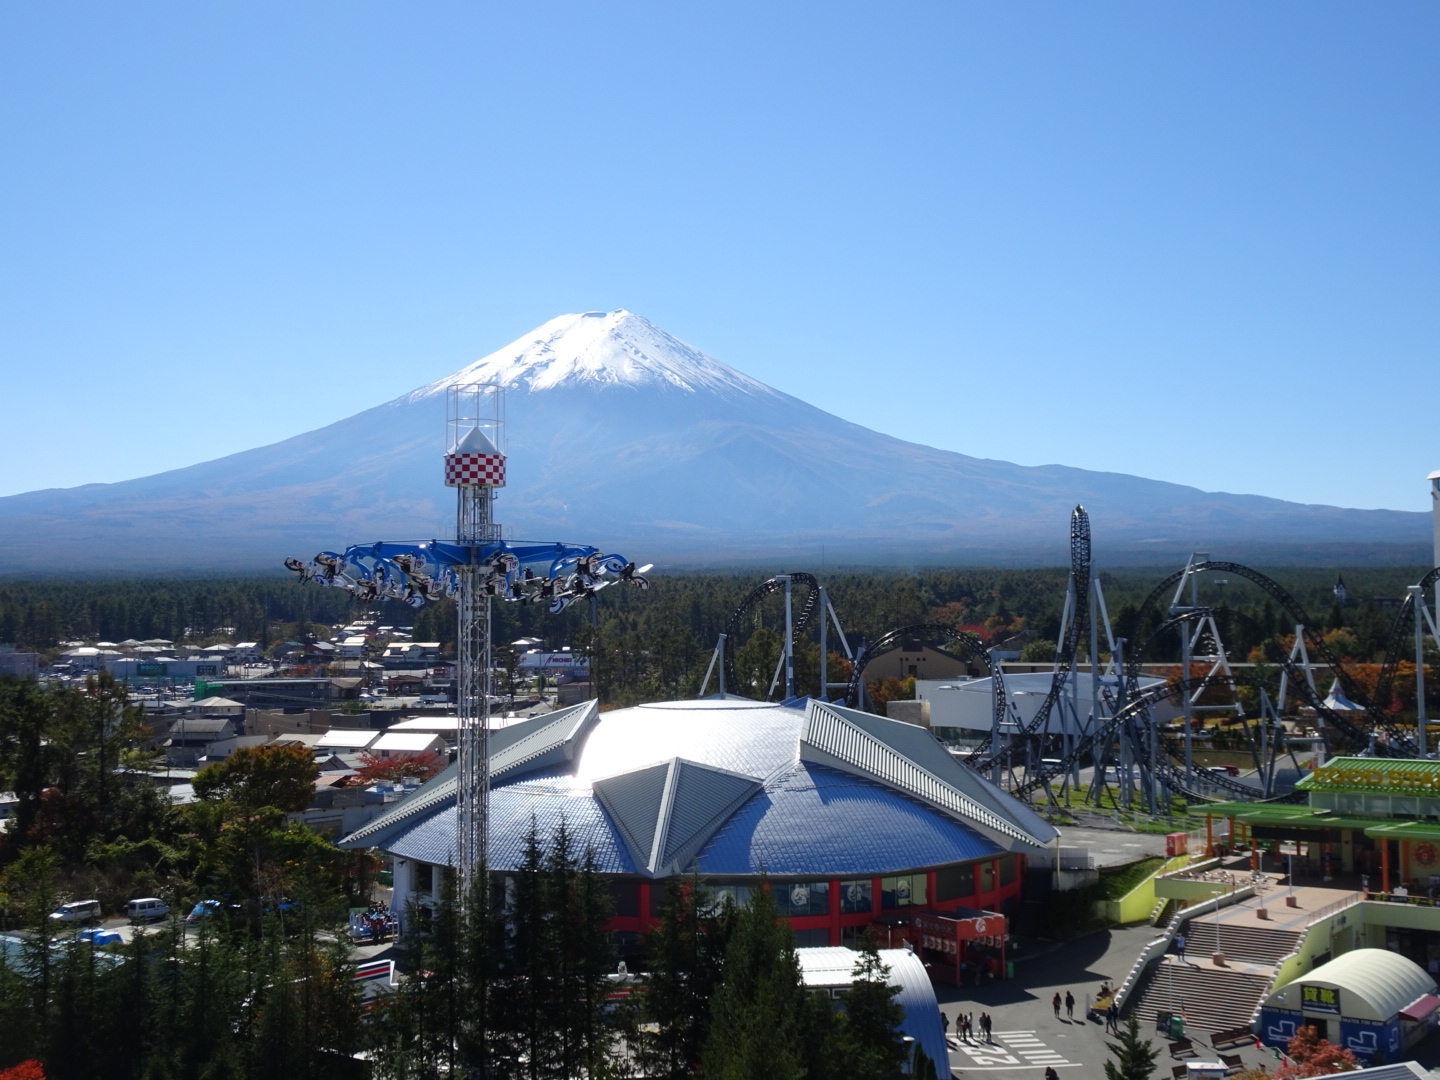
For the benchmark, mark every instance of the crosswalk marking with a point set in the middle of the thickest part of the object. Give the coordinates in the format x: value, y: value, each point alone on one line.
x: 1008, y: 1050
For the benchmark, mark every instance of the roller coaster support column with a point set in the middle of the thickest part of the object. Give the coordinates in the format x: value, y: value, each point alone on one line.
x: 789, y: 643
x: 1422, y: 617
x: 1434, y: 479
x: 827, y: 616
x: 717, y: 657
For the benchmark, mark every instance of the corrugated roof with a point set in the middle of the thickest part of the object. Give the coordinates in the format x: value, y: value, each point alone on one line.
x: 820, y: 821
x: 545, y: 801
x: 835, y: 966
x: 721, y: 780
x: 633, y: 801
x: 833, y: 739
x: 506, y: 753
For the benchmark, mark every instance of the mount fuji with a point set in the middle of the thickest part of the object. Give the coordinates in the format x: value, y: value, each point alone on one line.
x: 623, y: 436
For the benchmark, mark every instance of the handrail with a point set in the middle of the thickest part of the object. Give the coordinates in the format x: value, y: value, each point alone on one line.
x: 1161, y: 945
x: 1333, y: 908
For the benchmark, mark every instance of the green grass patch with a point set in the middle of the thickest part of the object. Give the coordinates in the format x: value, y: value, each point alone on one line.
x: 1120, y: 882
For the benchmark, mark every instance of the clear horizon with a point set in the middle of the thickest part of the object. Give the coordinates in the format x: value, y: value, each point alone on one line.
x: 946, y: 222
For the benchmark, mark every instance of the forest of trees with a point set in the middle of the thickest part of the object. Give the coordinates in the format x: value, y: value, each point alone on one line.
x: 519, y: 982
x: 656, y: 644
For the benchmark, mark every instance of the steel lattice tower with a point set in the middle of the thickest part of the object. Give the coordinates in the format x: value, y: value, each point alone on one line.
x: 474, y: 467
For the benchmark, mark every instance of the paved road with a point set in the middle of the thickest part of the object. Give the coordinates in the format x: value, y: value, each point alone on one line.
x: 1029, y: 1036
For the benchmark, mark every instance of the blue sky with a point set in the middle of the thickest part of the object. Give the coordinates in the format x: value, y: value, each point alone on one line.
x: 1196, y: 242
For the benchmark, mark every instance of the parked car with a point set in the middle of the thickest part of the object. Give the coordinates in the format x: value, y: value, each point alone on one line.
x: 147, y: 909
x: 78, y: 911
x: 1225, y: 770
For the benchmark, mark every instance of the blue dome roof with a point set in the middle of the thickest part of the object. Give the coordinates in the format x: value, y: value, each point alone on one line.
x: 730, y: 786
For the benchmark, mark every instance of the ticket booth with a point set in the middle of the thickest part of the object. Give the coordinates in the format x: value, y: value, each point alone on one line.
x: 962, y: 946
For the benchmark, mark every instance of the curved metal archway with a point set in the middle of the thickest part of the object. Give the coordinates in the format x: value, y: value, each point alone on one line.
x: 799, y: 623
x: 969, y: 647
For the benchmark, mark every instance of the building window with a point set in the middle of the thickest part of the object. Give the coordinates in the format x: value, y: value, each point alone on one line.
x: 857, y: 897
x: 955, y: 882
x: 739, y: 895
x: 627, y: 897
x: 1007, y: 869
x: 812, y: 939
x: 987, y: 876
x: 794, y: 899
x: 424, y: 878
x: 907, y: 890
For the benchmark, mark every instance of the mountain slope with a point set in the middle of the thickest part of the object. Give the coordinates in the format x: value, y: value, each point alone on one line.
x: 623, y: 436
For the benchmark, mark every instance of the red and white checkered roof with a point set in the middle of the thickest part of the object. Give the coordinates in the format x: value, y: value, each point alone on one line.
x: 474, y: 470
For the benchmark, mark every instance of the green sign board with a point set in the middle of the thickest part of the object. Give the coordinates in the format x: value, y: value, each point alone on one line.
x: 1320, y: 999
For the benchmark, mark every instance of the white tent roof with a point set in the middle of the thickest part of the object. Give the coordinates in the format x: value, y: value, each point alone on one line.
x: 1336, y: 701
x: 1374, y: 984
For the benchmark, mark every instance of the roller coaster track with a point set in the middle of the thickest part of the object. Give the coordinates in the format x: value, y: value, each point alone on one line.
x: 766, y: 588
x: 969, y: 647
x: 1402, y: 743
x: 982, y: 757
x: 1136, y: 708
x: 1399, y: 633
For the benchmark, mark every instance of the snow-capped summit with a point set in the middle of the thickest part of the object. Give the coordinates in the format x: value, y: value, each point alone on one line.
x: 599, y: 349
x: 645, y: 445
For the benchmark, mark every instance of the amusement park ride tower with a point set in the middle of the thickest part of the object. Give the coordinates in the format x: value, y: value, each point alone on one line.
x: 474, y: 568
x: 474, y: 467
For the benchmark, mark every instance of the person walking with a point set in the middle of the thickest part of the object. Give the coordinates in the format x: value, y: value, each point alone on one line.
x: 945, y: 1023
x: 988, y: 1022
x: 1070, y: 1004
x: 1112, y: 1018
x: 1180, y: 946
x: 1051, y: 1074
x: 1056, y: 1003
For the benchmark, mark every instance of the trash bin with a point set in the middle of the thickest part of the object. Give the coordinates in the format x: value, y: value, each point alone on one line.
x: 1009, y: 969
x: 1177, y: 1027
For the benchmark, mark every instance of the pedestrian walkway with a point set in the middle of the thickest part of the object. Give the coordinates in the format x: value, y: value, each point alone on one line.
x: 1010, y: 1050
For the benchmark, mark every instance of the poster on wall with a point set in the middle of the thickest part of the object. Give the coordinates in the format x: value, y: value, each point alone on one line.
x: 1278, y: 1026
x: 1366, y: 1038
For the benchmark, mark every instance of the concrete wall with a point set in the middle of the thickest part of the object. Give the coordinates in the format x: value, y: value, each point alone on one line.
x: 1136, y: 905
x: 909, y: 712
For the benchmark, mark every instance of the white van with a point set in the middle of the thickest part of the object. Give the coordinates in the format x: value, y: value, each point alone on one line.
x: 81, y: 911
x: 147, y: 909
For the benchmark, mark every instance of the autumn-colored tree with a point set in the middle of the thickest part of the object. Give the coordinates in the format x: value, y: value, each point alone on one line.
x: 888, y: 690
x: 390, y: 769
x: 1310, y: 1055
x: 26, y: 1070
x: 253, y: 777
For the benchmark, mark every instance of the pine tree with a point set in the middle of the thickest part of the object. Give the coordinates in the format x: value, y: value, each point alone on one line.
x: 874, y: 1049
x: 1134, y: 1059
x: 686, y: 952
x: 757, y: 1020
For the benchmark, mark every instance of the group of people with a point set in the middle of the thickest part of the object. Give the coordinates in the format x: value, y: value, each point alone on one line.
x: 965, y: 1026
x: 377, y: 924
